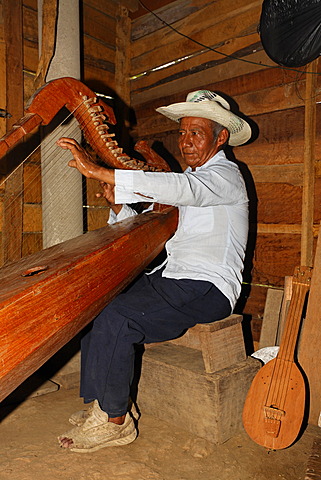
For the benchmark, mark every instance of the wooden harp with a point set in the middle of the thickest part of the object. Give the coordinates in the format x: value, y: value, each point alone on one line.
x: 48, y: 297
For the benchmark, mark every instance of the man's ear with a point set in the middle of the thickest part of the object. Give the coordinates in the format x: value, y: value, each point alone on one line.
x: 223, y: 137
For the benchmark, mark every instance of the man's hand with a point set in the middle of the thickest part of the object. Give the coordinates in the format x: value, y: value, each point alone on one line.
x: 109, y: 194
x: 83, y: 162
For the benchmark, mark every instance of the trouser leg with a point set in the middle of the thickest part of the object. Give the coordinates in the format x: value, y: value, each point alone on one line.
x: 157, y: 309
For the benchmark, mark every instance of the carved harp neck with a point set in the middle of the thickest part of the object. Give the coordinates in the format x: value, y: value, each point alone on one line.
x: 93, y: 116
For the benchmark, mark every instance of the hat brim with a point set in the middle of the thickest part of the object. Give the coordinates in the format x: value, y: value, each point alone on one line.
x: 239, y: 129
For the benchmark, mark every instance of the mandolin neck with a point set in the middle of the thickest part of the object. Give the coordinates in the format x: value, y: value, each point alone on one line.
x: 294, y: 316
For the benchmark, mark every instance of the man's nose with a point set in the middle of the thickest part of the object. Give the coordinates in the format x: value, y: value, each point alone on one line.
x: 187, y: 140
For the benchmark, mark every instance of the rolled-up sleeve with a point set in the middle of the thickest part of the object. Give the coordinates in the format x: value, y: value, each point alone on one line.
x: 219, y: 183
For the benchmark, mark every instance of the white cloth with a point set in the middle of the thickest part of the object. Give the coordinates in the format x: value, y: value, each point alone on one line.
x: 210, y: 240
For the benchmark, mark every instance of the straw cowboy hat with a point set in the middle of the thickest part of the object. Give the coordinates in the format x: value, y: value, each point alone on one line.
x: 206, y: 104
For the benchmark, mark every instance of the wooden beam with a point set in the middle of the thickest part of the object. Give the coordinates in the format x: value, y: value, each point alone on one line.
x: 309, y: 352
x: 48, y: 297
x: 309, y: 166
x: 122, y: 60
x: 122, y: 69
x: 3, y: 79
x: 13, y: 39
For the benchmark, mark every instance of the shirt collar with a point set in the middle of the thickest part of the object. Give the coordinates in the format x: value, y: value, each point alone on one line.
x: 220, y: 155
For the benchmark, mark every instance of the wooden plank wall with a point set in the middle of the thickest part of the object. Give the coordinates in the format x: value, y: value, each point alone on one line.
x: 98, y: 50
x: 165, y: 65
x: 273, y: 97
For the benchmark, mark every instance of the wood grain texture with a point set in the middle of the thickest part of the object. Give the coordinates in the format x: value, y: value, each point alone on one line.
x: 309, y: 354
x: 40, y: 313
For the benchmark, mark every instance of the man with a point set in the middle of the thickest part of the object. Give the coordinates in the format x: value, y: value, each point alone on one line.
x: 200, y: 280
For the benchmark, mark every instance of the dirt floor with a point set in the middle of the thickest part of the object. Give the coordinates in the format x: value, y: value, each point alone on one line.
x: 29, y: 450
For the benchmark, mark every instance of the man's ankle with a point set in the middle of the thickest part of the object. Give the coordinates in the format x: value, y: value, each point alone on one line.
x: 117, y: 420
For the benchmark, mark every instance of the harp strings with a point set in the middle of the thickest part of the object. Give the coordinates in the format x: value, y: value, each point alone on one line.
x: 30, y: 192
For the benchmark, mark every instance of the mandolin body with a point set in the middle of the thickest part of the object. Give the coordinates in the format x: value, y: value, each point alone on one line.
x: 274, y: 407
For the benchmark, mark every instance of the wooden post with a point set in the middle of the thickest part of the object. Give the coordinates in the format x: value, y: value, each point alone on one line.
x: 122, y: 60
x: 309, y: 352
x: 309, y: 166
x: 122, y: 74
x: 13, y: 40
x: 3, y: 79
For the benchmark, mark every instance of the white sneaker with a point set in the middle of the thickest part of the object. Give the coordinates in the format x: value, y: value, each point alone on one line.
x: 97, y: 432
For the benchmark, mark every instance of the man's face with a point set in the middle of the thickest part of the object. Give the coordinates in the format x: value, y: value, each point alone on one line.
x: 196, y: 141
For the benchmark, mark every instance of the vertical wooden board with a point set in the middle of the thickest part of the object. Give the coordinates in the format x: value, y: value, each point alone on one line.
x: 30, y: 58
x: 32, y: 183
x: 122, y: 60
x: 309, y: 354
x: 92, y: 188
x: 32, y: 218
x: 12, y: 17
x: 97, y: 218
x: 271, y: 317
x: 3, y: 80
x: 1, y: 214
x: 309, y: 167
x: 31, y: 243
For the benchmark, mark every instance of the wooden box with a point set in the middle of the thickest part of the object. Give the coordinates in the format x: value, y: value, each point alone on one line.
x: 174, y: 387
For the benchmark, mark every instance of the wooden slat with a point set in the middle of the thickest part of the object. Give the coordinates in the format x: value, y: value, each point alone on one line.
x: 235, y: 85
x: 99, y: 25
x: 122, y: 58
x: 31, y: 243
x: 256, y: 103
x: 3, y: 99
x: 202, y: 26
x: 98, y: 53
x: 271, y: 317
x: 98, y: 79
x: 32, y: 218
x: 105, y: 6
x: 170, y: 13
x: 270, y: 207
x: 291, y: 174
x: 309, y: 165
x: 200, y: 61
x: 12, y: 223
x: 275, y: 255
x: 309, y: 353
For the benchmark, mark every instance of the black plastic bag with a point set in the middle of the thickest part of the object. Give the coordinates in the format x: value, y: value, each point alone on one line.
x: 290, y: 31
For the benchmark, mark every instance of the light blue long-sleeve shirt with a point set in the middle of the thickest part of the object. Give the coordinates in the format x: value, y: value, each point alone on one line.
x: 210, y: 240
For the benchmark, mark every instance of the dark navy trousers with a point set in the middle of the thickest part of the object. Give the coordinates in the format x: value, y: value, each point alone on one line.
x: 154, y: 309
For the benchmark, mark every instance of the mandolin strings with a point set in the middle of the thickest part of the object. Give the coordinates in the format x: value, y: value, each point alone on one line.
x: 276, y: 396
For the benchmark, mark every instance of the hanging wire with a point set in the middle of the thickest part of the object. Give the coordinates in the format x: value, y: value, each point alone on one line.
x: 207, y: 47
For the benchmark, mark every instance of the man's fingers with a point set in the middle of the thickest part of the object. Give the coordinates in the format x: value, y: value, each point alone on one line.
x: 72, y: 163
x: 71, y: 143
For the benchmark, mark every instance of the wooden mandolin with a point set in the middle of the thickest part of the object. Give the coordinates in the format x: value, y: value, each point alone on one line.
x: 274, y: 407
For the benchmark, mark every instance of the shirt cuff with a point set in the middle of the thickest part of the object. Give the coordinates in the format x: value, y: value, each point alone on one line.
x: 125, y: 212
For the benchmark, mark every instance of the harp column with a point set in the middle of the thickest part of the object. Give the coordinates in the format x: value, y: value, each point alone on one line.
x: 61, y: 186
